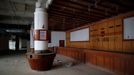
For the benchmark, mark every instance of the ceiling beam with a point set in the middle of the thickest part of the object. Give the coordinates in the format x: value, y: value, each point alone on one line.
x: 76, y: 11
x: 25, y: 22
x: 84, y: 4
x: 30, y: 2
x: 73, y: 15
x: 5, y: 17
x: 122, y: 4
x: 58, y: 16
x: 117, y: 7
x: 17, y: 13
x: 14, y: 26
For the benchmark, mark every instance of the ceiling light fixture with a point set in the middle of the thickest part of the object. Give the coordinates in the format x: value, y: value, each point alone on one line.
x: 15, y: 30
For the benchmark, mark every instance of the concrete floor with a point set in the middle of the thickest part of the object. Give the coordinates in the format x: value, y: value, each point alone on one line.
x: 17, y: 65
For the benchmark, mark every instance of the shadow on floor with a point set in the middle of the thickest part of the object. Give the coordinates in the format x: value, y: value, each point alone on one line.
x: 12, y: 52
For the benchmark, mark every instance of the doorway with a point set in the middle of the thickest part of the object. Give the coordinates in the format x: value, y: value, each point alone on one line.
x: 62, y: 43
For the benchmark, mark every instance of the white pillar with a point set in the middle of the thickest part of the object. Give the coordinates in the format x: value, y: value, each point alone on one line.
x: 40, y: 23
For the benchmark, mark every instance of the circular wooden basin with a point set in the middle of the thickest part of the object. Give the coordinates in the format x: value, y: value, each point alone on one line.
x: 41, y: 61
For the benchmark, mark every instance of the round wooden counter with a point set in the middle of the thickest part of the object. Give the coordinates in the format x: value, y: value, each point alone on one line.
x: 41, y: 61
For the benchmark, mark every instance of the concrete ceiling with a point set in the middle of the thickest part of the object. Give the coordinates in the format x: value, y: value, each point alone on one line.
x: 17, y: 11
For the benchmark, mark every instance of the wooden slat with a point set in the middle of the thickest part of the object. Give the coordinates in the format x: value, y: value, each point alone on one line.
x: 76, y: 8
x: 121, y: 64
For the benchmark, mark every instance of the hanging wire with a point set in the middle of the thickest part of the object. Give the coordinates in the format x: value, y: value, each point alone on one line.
x: 74, y: 17
x: 117, y: 9
x: 13, y: 10
x: 74, y: 11
x: 63, y: 23
x: 96, y: 3
x: 106, y: 13
x: 25, y: 9
x: 77, y: 22
x: 13, y: 7
x: 73, y: 0
x: 89, y: 9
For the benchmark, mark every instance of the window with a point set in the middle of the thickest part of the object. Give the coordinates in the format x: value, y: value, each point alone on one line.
x: 12, y: 44
x: 80, y: 35
x: 128, y: 28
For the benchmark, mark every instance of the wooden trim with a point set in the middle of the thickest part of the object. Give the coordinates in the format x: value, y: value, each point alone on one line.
x: 37, y: 35
x: 79, y: 41
x: 128, y: 39
x: 95, y: 50
x: 79, y: 28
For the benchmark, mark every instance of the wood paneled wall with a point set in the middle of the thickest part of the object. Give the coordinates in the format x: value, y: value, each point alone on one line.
x: 70, y: 52
x: 105, y: 35
x: 106, y: 47
x: 121, y: 64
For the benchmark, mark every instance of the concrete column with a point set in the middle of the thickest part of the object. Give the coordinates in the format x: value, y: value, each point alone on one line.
x: 31, y: 41
x: 42, y: 58
x: 17, y: 43
x: 40, y: 29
